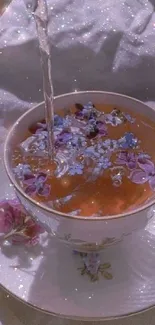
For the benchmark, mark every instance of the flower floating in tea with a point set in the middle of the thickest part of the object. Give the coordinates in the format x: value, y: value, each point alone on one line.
x: 128, y: 141
x: 76, y: 169
x: 145, y: 173
x: 126, y: 158
x: 23, y: 172
x: 63, y: 138
x: 38, y: 186
x: 86, y: 112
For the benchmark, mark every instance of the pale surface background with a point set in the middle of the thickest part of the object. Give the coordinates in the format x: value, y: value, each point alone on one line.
x: 104, y: 45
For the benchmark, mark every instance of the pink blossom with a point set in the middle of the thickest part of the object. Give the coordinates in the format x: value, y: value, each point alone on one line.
x: 11, y: 215
x: 17, y: 225
x: 29, y: 234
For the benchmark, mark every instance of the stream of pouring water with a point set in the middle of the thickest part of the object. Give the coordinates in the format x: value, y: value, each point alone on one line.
x: 38, y: 9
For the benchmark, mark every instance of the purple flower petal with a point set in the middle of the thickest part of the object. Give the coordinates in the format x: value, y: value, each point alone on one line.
x: 102, y: 128
x: 123, y: 155
x: 76, y: 169
x: 58, y: 120
x: 41, y: 178
x: 147, y: 166
x: 30, y: 189
x: 63, y: 138
x: 120, y: 161
x: 44, y: 191
x: 129, y: 118
x: 138, y: 176
x: 23, y: 171
x: 152, y: 183
x: 29, y: 180
x: 6, y: 217
x: 37, y: 185
x: 127, y: 158
x: 132, y: 164
x: 79, y: 115
x: 11, y: 215
x: 143, y: 156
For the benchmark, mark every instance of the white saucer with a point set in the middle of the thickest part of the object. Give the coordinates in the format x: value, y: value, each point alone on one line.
x: 47, y: 277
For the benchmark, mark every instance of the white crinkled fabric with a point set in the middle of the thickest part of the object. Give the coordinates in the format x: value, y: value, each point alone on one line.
x: 108, y: 45
x: 96, y: 44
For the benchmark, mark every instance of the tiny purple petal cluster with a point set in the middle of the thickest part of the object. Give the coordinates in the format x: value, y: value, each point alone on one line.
x: 76, y: 169
x: 128, y: 159
x: 23, y: 172
x: 37, y: 186
x: 102, y: 128
x: 145, y: 173
x: 128, y: 141
x: 63, y: 138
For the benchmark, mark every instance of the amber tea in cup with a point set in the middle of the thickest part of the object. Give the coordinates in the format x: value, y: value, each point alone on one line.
x: 104, y: 161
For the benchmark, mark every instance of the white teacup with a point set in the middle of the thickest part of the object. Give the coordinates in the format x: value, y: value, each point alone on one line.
x: 81, y: 233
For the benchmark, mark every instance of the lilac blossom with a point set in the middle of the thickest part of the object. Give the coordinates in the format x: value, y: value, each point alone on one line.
x: 91, y: 131
x: 116, y: 117
x: 102, y: 128
x: 145, y: 173
x: 77, y: 141
x: 129, y: 118
x: 86, y: 111
x: 63, y: 138
x: 90, y: 152
x: 128, y: 141
x: 126, y: 158
x: 142, y: 157
x: 76, y: 169
x: 104, y: 162
x: 114, y: 120
x: 110, y: 145
x: 23, y: 171
x: 37, y: 186
x: 101, y: 165
x: 58, y: 120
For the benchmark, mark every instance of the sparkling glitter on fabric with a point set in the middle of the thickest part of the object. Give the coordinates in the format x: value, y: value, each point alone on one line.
x: 106, y: 46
